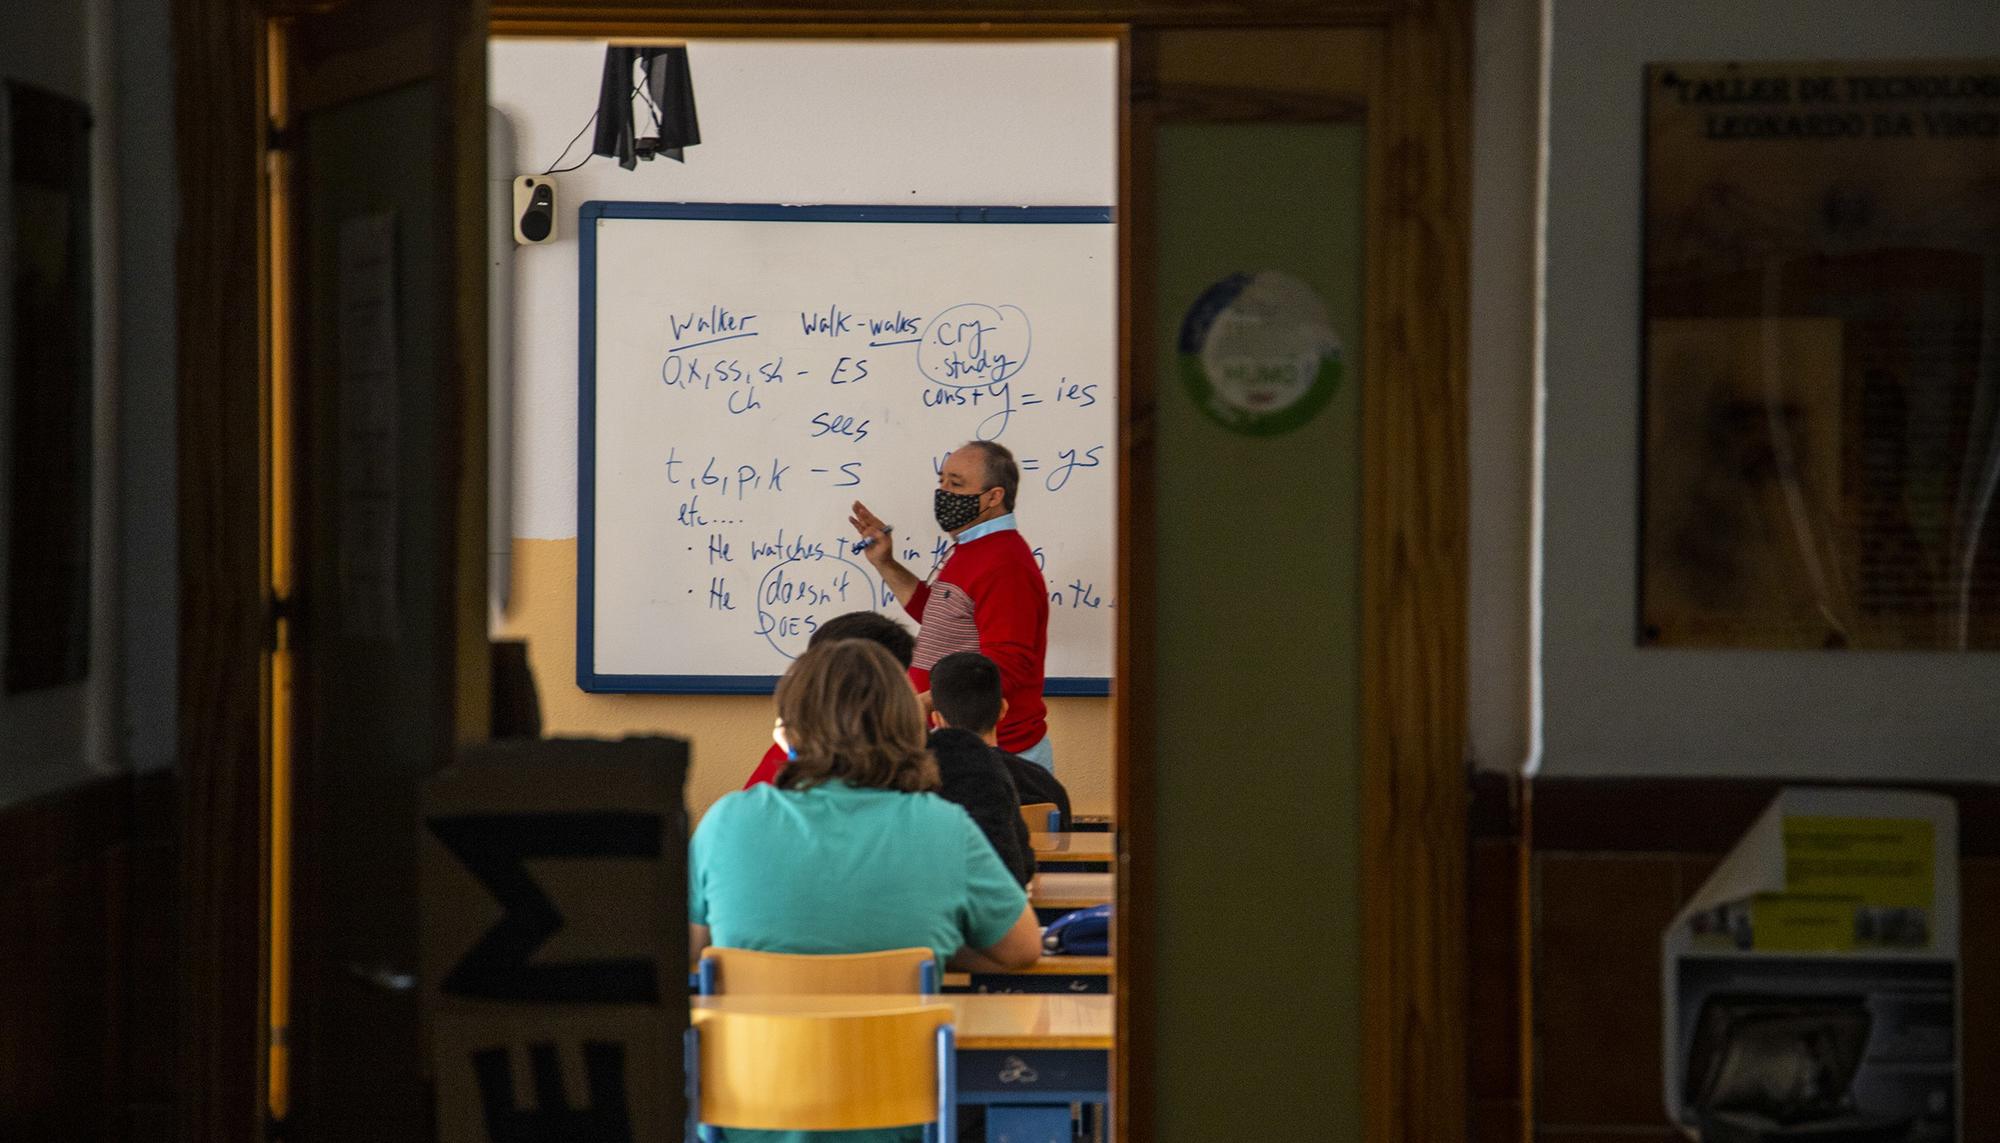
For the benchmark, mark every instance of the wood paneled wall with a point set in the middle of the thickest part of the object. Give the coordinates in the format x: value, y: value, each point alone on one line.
x: 1611, y: 861
x: 88, y: 965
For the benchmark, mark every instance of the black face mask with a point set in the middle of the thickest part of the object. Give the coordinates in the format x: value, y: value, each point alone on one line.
x: 954, y: 510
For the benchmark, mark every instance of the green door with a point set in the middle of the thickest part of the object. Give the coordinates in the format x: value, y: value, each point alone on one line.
x: 1259, y: 290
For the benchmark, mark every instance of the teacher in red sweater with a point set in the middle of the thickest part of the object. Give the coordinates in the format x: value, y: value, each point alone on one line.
x: 988, y: 597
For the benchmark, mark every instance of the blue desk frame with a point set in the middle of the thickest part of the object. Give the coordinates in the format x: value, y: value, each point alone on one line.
x: 1028, y: 1092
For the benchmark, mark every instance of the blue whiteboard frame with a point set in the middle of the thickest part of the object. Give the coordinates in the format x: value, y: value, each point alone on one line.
x: 587, y: 677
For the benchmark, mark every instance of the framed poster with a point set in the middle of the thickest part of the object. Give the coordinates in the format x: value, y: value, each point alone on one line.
x: 1821, y: 351
x: 45, y: 388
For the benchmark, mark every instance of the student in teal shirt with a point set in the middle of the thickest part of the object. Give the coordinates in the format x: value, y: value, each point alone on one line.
x: 850, y: 851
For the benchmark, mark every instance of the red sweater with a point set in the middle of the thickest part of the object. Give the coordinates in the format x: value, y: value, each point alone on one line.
x: 767, y: 770
x: 990, y: 597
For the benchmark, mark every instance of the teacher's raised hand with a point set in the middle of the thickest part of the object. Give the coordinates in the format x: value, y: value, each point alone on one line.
x: 874, y: 534
x: 877, y: 544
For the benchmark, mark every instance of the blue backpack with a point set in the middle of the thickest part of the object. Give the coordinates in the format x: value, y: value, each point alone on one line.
x: 1086, y: 932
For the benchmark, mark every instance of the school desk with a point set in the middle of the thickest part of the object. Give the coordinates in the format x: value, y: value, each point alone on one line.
x: 1026, y: 1057
x: 1061, y: 892
x: 1075, y: 975
x: 1061, y: 851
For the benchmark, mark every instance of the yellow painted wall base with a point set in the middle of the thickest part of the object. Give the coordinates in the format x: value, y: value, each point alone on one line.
x: 727, y: 733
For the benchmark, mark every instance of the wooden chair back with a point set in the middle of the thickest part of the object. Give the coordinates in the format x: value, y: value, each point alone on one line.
x: 1040, y: 816
x: 744, y: 972
x: 823, y: 1071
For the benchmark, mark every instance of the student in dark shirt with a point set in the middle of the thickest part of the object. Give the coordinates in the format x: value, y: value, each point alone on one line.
x: 972, y: 775
x: 969, y: 700
x: 966, y: 706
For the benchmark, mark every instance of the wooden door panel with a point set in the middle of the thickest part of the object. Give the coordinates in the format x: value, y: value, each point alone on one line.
x: 383, y: 403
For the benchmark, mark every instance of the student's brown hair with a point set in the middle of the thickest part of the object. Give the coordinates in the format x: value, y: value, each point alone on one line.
x: 850, y: 715
x: 872, y: 626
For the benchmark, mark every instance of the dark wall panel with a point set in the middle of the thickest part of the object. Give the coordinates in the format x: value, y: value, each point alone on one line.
x: 88, y: 960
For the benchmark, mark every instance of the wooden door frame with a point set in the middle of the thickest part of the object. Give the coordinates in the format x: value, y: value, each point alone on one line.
x: 1414, y: 534
x: 223, y: 346
x: 1413, y: 840
x: 1414, y: 528
x: 221, y: 339
x: 1414, y: 522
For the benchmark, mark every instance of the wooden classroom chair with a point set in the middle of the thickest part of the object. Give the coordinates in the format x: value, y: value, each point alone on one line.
x: 1042, y: 817
x: 745, y: 972
x: 842, y: 1071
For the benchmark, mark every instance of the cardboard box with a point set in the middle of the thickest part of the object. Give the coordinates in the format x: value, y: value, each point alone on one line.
x: 554, y: 890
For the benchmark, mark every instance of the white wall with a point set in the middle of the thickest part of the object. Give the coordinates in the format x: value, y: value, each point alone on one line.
x: 791, y: 122
x: 1506, y: 163
x: 1612, y: 708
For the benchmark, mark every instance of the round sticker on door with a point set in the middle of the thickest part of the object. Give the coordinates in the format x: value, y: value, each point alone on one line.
x: 1258, y: 353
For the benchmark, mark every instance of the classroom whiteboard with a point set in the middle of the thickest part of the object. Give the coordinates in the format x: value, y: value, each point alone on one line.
x: 746, y: 372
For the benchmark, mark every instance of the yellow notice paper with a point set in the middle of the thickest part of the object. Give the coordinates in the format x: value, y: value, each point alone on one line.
x: 1850, y: 883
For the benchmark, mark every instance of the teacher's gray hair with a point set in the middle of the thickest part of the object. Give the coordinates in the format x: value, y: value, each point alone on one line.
x: 1000, y: 470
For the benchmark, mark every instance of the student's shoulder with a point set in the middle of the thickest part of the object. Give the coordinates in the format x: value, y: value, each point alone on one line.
x: 1028, y: 776
x: 739, y: 805
x: 958, y: 750
x: 982, y: 769
x: 739, y: 800
x: 932, y: 812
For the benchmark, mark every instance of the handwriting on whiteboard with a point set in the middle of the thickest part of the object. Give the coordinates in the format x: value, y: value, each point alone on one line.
x: 811, y: 386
